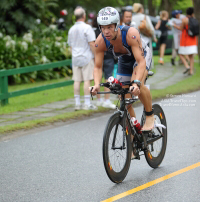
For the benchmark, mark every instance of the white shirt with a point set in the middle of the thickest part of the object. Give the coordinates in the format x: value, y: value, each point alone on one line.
x: 178, y: 23
x: 182, y: 16
x: 137, y: 18
x: 79, y: 37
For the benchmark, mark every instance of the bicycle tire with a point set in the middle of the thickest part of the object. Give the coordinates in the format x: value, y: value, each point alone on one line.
x: 114, y: 175
x: 155, y: 161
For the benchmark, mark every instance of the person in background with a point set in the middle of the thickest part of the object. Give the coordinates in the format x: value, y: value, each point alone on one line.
x: 127, y: 16
x: 90, y: 18
x: 138, y: 9
x: 176, y: 36
x: 188, y: 44
x: 163, y: 26
x: 81, y: 38
x: 108, y: 67
x: 61, y: 20
x: 138, y: 17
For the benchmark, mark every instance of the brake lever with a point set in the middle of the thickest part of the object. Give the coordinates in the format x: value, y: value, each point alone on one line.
x: 134, y: 97
x: 107, y: 84
x: 132, y: 89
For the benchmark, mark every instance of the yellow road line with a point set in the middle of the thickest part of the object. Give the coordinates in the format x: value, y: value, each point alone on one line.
x: 149, y: 184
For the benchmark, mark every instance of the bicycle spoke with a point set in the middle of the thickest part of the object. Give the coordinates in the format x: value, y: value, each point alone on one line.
x: 117, y: 157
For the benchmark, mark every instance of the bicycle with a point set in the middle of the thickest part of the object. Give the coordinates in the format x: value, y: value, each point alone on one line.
x: 118, y: 145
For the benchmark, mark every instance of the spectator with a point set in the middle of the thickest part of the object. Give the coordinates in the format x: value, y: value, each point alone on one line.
x: 185, y: 56
x: 163, y: 26
x: 108, y: 66
x: 81, y: 38
x: 137, y: 18
x: 61, y: 20
x: 188, y: 44
x: 127, y: 16
x: 176, y: 36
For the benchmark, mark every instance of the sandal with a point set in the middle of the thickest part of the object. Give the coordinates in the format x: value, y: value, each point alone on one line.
x: 187, y: 70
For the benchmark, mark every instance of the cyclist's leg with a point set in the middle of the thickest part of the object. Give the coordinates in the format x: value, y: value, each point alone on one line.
x: 124, y: 73
x: 145, y: 96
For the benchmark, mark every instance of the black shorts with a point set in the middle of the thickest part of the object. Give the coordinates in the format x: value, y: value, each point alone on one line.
x: 108, y: 67
x: 163, y: 39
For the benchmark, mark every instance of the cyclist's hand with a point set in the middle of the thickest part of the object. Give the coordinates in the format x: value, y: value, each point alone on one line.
x: 134, y: 89
x: 94, y: 89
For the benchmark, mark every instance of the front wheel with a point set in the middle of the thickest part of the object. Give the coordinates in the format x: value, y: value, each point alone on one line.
x: 156, y: 151
x: 117, y: 149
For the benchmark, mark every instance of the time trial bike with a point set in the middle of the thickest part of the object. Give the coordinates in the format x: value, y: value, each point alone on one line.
x: 122, y: 142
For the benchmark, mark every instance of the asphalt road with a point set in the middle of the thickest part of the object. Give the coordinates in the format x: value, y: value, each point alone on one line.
x: 65, y: 163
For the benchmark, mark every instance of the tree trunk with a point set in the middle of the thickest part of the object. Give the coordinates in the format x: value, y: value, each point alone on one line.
x: 167, y: 5
x: 142, y: 2
x: 196, y: 4
x: 151, y: 8
x: 162, y: 5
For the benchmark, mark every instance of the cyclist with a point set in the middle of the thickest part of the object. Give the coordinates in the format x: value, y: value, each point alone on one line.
x: 134, y: 58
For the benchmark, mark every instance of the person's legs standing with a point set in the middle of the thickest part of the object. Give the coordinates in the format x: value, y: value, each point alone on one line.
x: 174, y: 52
x: 163, y: 41
x: 162, y: 52
x: 185, y: 63
x: 108, y: 67
x: 77, y: 77
x: 173, y: 57
x: 86, y: 92
x: 191, y: 57
x: 87, y: 72
x: 187, y: 58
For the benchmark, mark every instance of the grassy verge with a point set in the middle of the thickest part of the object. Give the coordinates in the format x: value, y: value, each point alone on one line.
x: 45, y: 121
x: 191, y: 83
x: 187, y: 85
x: 23, y: 102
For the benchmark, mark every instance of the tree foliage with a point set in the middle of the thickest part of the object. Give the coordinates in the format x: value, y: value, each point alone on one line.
x: 18, y: 16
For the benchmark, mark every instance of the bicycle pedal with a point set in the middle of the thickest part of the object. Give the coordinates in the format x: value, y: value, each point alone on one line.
x: 147, y: 132
x: 135, y: 157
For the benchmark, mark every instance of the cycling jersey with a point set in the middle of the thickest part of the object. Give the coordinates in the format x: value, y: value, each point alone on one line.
x: 127, y: 62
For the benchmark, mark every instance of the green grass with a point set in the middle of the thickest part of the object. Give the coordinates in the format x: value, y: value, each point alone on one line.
x: 36, y: 99
x: 190, y: 84
x: 45, y: 121
x: 19, y: 103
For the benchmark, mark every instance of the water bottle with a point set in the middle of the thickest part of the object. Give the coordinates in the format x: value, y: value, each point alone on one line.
x: 136, y: 125
x: 112, y: 80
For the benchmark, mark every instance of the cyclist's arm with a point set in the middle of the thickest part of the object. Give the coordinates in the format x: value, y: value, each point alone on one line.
x: 100, y: 48
x: 133, y: 39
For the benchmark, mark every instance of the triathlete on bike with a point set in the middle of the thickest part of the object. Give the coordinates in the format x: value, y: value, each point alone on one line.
x: 134, y: 58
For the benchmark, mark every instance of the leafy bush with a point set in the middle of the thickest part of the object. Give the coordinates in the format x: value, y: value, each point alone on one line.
x: 19, y: 16
x: 34, y: 48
